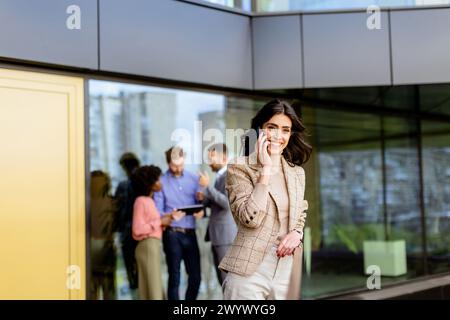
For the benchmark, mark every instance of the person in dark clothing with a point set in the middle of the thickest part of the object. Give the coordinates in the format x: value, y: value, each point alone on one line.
x: 103, y: 226
x: 125, y: 197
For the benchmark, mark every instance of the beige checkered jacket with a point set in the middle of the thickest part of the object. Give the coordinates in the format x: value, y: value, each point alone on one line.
x: 258, y: 227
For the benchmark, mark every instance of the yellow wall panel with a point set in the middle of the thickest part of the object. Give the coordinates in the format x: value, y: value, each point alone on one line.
x: 42, y: 218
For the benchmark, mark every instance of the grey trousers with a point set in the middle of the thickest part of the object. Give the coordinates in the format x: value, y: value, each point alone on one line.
x: 218, y: 254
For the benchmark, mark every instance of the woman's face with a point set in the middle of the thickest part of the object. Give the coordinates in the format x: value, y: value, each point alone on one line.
x: 278, y: 130
x: 157, y: 186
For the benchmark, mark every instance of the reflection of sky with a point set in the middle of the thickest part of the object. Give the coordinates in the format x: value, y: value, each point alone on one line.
x: 280, y: 5
x: 189, y: 105
x: 246, y: 5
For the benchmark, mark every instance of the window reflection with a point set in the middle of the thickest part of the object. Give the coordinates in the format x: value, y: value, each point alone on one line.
x: 436, y: 164
x: 245, y: 5
x: 146, y: 121
x: 348, y: 186
x: 363, y: 183
x: 103, y: 226
x: 363, y: 179
x: 310, y: 5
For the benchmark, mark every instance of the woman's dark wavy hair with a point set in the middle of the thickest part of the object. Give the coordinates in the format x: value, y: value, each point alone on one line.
x: 298, y: 151
x: 144, y: 178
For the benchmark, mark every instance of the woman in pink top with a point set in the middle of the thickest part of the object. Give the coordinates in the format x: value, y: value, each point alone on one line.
x: 147, y: 229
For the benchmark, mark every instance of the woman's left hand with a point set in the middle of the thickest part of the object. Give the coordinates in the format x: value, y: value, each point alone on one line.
x: 288, y: 244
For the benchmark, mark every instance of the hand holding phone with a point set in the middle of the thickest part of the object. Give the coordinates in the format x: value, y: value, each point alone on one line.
x: 262, y: 146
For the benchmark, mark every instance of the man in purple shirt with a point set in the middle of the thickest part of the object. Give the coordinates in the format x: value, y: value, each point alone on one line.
x: 179, y: 189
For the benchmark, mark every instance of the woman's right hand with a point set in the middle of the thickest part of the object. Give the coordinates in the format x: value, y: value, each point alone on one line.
x: 261, y: 146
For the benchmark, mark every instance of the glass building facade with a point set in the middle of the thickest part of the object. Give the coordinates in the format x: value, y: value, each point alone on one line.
x: 378, y: 178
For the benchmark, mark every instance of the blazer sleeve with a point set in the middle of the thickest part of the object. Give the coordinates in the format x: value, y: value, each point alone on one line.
x: 217, y: 196
x: 206, y: 202
x: 303, y: 208
x: 248, y: 203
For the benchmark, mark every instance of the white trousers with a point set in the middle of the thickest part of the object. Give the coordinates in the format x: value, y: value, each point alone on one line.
x: 269, y: 282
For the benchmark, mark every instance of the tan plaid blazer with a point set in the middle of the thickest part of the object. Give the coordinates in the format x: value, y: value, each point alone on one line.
x: 258, y: 227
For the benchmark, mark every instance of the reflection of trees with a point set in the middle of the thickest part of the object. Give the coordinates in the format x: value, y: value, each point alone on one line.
x: 437, y: 198
x: 350, y: 187
x: 351, y: 192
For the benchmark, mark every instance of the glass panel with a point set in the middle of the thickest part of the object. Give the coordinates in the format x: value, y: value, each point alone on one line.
x: 367, y: 96
x: 402, y: 195
x: 147, y: 121
x: 245, y: 5
x: 309, y: 5
x: 435, y: 98
x: 363, y: 181
x: 364, y: 202
x: 401, y: 97
x: 348, y: 183
x: 436, y: 170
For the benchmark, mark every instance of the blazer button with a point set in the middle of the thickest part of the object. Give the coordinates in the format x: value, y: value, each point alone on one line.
x: 251, y: 218
x: 247, y: 222
x: 254, y: 212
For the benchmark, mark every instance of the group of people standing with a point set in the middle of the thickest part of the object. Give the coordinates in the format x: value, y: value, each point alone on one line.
x: 144, y: 212
x: 256, y: 222
x: 156, y: 217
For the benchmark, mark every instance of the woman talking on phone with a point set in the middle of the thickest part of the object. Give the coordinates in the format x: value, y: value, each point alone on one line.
x: 266, y: 190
